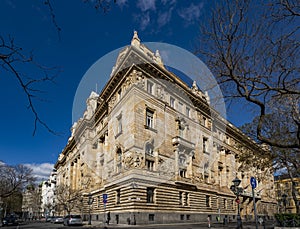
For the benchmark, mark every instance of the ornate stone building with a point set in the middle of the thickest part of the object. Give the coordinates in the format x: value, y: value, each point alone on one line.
x: 149, y: 149
x: 284, y: 196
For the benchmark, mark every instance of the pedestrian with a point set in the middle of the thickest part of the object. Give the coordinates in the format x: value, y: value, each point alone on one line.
x: 108, y: 217
x: 208, y: 221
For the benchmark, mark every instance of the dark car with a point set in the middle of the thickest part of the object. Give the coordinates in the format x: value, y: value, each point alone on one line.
x: 72, y: 220
x: 10, y: 220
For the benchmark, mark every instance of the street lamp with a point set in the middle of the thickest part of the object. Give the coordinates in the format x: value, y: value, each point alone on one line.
x: 237, y: 191
x: 90, y: 202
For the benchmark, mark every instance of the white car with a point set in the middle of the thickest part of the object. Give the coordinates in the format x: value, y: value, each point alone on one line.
x: 72, y: 220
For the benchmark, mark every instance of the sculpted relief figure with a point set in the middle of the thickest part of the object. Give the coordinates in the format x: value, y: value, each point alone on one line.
x: 133, y: 160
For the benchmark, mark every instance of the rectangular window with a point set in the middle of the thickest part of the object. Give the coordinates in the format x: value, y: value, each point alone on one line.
x: 204, y: 121
x: 207, y: 201
x: 150, y: 165
x: 180, y: 105
x: 180, y: 198
x: 150, y: 195
x: 187, y: 112
x: 151, y: 217
x: 225, y: 203
x: 98, y: 201
x: 205, y: 145
x: 119, y: 130
x: 187, y: 201
x: 188, y: 217
x: 149, y: 118
x: 182, y: 173
x: 119, y: 94
x: 150, y: 87
x: 181, y: 217
x: 118, y: 196
x: 172, y: 102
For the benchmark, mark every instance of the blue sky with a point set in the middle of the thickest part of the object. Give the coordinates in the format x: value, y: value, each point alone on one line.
x: 86, y: 36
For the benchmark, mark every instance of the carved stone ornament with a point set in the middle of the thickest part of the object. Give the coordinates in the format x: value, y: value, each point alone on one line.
x: 133, y: 160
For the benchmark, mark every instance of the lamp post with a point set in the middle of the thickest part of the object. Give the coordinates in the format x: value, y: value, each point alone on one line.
x: 90, y: 202
x: 237, y: 191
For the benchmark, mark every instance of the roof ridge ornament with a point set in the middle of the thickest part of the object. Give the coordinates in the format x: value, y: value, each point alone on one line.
x: 135, y: 39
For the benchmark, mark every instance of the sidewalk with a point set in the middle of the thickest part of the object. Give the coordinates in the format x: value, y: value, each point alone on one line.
x: 246, y: 225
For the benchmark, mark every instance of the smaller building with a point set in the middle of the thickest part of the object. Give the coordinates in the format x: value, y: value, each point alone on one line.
x: 283, y: 187
x: 31, y: 204
x: 48, y: 204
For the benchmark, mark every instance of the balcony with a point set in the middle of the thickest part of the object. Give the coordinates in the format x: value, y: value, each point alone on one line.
x: 179, y: 141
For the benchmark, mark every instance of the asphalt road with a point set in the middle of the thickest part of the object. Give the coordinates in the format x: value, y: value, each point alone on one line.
x: 43, y: 225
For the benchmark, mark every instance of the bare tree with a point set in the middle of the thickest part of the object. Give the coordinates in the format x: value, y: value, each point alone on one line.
x: 252, y: 47
x: 14, y: 179
x: 68, y: 199
x: 14, y: 60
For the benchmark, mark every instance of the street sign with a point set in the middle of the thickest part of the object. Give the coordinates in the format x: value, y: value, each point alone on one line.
x: 104, y: 196
x: 253, y: 182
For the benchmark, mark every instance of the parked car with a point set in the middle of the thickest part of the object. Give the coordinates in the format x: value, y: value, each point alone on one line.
x: 49, y: 218
x: 72, y: 220
x: 57, y: 219
x: 10, y: 220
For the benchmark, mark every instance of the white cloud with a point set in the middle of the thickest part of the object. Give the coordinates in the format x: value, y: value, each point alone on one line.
x: 145, y: 5
x: 164, y: 18
x: 122, y: 3
x: 41, y: 171
x: 169, y: 2
x: 144, y: 20
x: 191, y: 13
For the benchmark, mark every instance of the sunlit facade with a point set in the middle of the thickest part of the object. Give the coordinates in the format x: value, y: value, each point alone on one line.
x: 152, y: 144
x: 283, y: 186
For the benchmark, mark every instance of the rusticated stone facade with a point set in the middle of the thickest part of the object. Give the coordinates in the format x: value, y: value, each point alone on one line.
x: 157, y: 149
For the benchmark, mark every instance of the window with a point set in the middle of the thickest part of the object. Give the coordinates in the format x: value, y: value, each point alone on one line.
x: 119, y: 127
x: 180, y: 198
x: 187, y: 201
x: 149, y: 118
x: 182, y: 173
x: 172, y: 102
x: 119, y: 160
x: 149, y: 164
x: 181, y: 217
x: 151, y: 217
x: 98, y: 201
x: 207, y: 200
x: 180, y: 129
x: 180, y: 105
x: 150, y: 195
x: 188, y: 217
x: 187, y: 112
x: 119, y: 94
x: 225, y: 203
x: 149, y: 87
x: 204, y: 121
x: 205, y: 145
x: 182, y: 160
x: 149, y: 149
x: 118, y: 196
